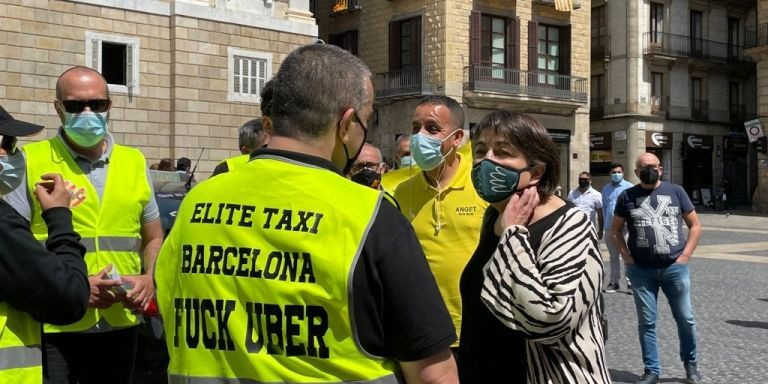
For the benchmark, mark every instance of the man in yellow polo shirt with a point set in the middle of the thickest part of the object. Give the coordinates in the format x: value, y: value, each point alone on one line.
x: 440, y: 201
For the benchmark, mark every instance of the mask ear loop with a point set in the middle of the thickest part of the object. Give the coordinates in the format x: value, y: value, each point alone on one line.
x: 438, y: 204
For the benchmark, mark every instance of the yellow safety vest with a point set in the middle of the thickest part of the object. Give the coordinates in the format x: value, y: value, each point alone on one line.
x: 255, y: 281
x: 110, y: 228
x: 21, y: 360
x: 237, y: 162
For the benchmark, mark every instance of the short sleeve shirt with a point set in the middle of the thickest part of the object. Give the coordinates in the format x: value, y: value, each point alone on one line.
x: 655, y: 222
x: 610, y: 194
x: 588, y: 202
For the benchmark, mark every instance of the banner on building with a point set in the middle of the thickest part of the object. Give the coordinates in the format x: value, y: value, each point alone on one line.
x: 754, y: 130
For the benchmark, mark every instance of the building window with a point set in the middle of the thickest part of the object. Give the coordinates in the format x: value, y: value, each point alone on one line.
x: 657, y: 22
x: 116, y: 58
x: 733, y: 38
x: 346, y: 40
x: 698, y: 104
x: 493, y: 41
x: 247, y: 73
x: 549, y: 53
x: 657, y: 91
x: 697, y: 33
x: 597, y: 101
x: 734, y: 101
x: 405, y: 43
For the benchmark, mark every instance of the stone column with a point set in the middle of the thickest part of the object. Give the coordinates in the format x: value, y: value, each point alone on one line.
x: 298, y: 11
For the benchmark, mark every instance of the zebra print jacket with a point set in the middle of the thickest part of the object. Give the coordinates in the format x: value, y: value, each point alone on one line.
x: 551, y: 294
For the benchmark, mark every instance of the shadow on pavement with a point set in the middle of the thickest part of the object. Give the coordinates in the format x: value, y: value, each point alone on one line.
x: 618, y: 376
x: 749, y: 324
x: 766, y: 300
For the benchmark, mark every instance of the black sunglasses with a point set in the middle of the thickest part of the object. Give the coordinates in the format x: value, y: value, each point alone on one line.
x: 8, y: 144
x: 78, y: 106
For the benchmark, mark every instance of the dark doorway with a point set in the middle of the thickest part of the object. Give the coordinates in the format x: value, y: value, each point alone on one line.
x: 735, y: 179
x: 697, y: 173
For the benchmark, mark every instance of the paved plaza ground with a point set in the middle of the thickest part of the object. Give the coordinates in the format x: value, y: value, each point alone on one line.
x: 729, y: 279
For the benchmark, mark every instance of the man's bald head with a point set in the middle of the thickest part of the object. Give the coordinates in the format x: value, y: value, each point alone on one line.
x: 646, y: 159
x: 369, y: 154
x: 81, y: 79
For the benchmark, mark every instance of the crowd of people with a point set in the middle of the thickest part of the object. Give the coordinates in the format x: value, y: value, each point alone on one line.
x: 461, y: 265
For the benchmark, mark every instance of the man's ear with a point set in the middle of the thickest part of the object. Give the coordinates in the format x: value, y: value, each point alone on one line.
x: 458, y: 137
x: 345, y: 124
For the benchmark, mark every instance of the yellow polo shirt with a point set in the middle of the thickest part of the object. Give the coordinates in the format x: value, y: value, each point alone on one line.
x: 447, y: 223
x: 391, y: 179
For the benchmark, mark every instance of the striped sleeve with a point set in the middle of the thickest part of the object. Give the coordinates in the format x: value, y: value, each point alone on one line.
x: 547, y: 295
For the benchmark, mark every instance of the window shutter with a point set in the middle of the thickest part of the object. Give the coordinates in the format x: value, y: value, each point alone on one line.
x: 96, y: 54
x: 236, y: 76
x: 565, y: 50
x: 533, y: 46
x: 129, y: 80
x: 474, y: 38
x: 416, y: 42
x: 513, y: 43
x: 353, y: 43
x: 394, y: 45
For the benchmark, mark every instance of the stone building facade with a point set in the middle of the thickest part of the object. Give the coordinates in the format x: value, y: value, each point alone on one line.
x: 757, y: 47
x: 488, y: 54
x: 672, y: 77
x: 184, y: 74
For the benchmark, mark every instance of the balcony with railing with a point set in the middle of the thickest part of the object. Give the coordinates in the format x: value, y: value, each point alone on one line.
x: 596, y: 107
x: 756, y: 37
x: 601, y: 47
x: 699, y: 109
x: 687, y: 47
x: 341, y: 7
x: 516, y: 82
x: 659, y: 106
x: 403, y: 83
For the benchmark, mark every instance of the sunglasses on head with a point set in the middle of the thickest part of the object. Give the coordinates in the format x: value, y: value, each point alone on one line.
x: 8, y: 144
x: 78, y: 106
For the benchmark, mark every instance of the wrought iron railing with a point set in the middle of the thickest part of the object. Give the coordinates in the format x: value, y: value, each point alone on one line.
x: 403, y: 82
x: 601, y: 47
x: 756, y: 37
x: 699, y: 109
x: 523, y: 83
x: 596, y: 107
x: 695, y: 48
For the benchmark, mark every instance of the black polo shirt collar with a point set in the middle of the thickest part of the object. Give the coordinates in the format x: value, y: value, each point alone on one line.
x: 299, y: 157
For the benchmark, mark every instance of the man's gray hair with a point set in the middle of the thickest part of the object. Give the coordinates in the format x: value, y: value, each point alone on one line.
x: 251, y: 135
x: 314, y: 85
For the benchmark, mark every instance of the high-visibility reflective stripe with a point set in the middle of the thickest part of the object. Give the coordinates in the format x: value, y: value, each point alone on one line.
x: 20, y: 357
x: 178, y: 379
x: 119, y: 244
x: 110, y: 243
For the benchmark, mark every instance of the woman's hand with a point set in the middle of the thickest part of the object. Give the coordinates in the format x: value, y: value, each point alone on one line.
x: 520, y: 208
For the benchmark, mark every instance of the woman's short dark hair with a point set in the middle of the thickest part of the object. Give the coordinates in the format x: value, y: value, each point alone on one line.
x: 528, y: 137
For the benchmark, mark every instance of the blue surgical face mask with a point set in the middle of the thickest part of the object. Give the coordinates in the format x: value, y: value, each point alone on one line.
x: 12, y: 172
x: 85, y: 129
x: 495, y: 182
x: 425, y: 150
x: 406, y: 161
x: 617, y: 177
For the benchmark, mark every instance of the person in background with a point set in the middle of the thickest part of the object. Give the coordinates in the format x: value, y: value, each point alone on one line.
x: 588, y: 200
x: 115, y: 212
x: 403, y: 158
x: 657, y: 253
x: 368, y: 169
x: 254, y: 134
x: 404, y: 164
x: 166, y: 164
x: 39, y: 282
x: 441, y: 204
x: 350, y: 312
x: 183, y: 165
x: 610, y: 193
x: 533, y: 284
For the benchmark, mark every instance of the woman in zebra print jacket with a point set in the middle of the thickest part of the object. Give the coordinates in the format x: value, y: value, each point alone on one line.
x: 537, y: 270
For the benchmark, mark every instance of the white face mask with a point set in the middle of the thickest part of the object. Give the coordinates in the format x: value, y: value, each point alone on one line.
x: 12, y: 172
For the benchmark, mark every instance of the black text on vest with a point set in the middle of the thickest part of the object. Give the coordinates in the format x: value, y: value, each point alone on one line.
x: 276, y: 327
x: 245, y: 215
x: 247, y: 262
x: 203, y: 320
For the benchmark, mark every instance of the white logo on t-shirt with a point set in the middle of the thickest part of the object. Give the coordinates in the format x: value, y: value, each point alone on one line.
x: 662, y: 219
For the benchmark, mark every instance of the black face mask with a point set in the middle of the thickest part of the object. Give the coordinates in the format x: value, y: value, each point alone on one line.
x: 351, y: 160
x: 649, y: 175
x: 368, y: 178
x: 583, y: 184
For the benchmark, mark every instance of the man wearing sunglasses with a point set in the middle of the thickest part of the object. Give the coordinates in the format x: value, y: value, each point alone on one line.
x: 114, y: 210
x: 38, y: 282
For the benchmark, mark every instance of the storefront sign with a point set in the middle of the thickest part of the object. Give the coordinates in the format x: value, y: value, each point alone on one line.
x: 560, y: 135
x: 658, y: 140
x: 600, y: 141
x: 620, y: 135
x: 736, y: 143
x: 754, y: 130
x: 698, y: 142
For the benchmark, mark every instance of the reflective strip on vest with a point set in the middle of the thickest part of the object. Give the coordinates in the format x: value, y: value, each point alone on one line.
x: 177, y: 379
x: 20, y: 357
x: 110, y: 243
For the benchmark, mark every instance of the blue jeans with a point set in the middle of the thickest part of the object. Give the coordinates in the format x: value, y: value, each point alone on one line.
x: 675, y: 282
